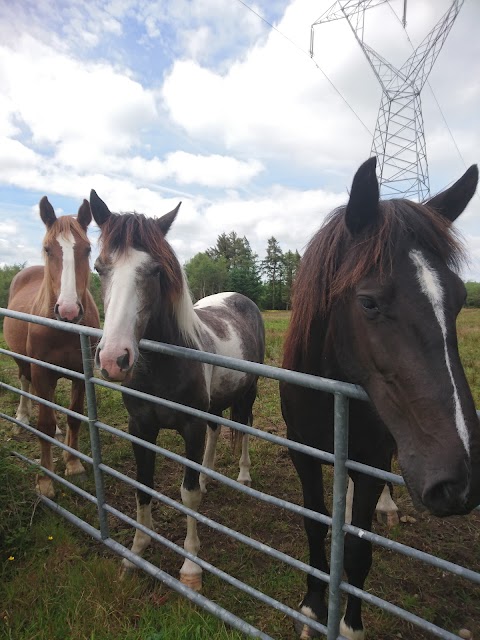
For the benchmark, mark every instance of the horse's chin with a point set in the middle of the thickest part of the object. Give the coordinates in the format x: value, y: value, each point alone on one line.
x: 76, y: 320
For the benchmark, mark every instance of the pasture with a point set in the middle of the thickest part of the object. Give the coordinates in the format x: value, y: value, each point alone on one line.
x: 57, y: 583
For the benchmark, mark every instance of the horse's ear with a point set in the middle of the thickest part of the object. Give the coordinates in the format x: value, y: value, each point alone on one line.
x: 47, y: 212
x: 452, y: 202
x: 100, y: 211
x: 165, y: 222
x: 84, y: 215
x: 362, y: 207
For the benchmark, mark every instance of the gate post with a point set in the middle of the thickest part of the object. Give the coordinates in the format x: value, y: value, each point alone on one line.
x: 94, y: 435
x: 338, y: 516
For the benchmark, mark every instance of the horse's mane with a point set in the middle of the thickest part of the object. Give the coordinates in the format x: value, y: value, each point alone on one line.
x: 335, y: 261
x: 62, y: 226
x: 134, y: 230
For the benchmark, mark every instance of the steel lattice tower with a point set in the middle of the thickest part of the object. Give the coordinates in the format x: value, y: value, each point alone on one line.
x: 399, y: 138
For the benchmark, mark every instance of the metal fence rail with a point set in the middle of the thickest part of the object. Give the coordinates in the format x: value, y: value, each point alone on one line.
x: 342, y: 392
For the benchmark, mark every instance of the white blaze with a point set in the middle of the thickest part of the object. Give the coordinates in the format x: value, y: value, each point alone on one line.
x: 121, y: 299
x: 431, y: 287
x: 68, y: 285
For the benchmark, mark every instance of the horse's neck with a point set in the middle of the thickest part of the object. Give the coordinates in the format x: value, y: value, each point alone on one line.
x: 44, y: 301
x: 178, y: 324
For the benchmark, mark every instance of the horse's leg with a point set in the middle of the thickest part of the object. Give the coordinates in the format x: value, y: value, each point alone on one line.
x: 145, y: 460
x: 313, y: 604
x: 24, y: 410
x: 242, y: 412
x: 194, y: 435
x: 73, y: 466
x: 349, y: 501
x: 358, y: 552
x: 44, y: 383
x: 386, y: 509
x: 213, y: 431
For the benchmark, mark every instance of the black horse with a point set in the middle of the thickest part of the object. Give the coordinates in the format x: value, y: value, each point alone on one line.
x: 146, y: 296
x: 375, y: 304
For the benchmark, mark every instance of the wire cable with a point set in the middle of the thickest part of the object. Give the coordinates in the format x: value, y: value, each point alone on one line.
x: 297, y: 46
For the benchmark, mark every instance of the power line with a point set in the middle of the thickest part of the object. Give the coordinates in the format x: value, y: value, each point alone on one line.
x: 431, y: 89
x: 339, y: 93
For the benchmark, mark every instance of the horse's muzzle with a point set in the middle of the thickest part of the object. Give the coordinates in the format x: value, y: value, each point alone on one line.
x: 69, y: 312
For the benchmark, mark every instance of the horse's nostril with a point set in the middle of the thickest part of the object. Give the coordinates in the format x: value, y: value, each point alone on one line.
x: 446, y: 498
x: 55, y: 309
x: 124, y: 361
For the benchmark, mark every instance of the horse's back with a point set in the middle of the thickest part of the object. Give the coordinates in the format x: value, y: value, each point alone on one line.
x: 24, y: 288
x: 235, y: 324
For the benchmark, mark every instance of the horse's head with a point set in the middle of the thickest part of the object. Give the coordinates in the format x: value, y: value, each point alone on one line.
x: 66, y: 250
x: 138, y: 271
x: 400, y: 342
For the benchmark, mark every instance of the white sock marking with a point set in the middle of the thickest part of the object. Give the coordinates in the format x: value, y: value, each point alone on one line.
x: 431, y: 287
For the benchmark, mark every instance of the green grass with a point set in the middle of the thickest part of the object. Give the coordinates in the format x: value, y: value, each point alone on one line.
x: 69, y: 587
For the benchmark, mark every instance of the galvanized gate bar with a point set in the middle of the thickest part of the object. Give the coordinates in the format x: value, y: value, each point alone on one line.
x: 47, y: 403
x: 338, y: 516
x: 226, y: 577
x: 94, y: 435
x: 47, y: 365
x: 158, y: 574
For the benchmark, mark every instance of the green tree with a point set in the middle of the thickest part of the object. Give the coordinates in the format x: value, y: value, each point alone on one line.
x: 473, y: 294
x: 273, y: 269
x: 96, y: 291
x: 206, y: 275
x: 291, y: 261
x: 7, y: 273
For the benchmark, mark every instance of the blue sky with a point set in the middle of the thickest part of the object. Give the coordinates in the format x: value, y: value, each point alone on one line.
x: 154, y: 101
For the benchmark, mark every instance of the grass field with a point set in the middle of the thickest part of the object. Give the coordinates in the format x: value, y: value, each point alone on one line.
x: 56, y: 583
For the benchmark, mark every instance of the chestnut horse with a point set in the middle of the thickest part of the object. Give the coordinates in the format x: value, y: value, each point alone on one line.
x: 375, y: 304
x: 58, y: 290
x: 146, y: 296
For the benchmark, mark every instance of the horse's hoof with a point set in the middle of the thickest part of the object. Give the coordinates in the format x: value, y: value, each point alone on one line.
x: 388, y: 518
x: 352, y: 634
x: 246, y: 483
x: 44, y: 487
x: 193, y: 581
x: 75, y: 468
x: 304, y: 632
x: 127, y: 569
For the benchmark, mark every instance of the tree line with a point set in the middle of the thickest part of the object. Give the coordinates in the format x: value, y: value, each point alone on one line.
x: 231, y: 265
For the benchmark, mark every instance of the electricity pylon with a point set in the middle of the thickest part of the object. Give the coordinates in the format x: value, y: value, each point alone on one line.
x: 399, y: 138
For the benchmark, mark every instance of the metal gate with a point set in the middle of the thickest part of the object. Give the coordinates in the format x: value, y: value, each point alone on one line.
x: 342, y: 393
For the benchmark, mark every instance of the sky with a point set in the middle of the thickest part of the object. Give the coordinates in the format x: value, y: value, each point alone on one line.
x: 150, y: 102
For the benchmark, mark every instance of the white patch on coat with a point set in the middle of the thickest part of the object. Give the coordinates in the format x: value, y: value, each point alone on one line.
x: 214, y: 300
x: 220, y: 380
x: 192, y: 500
x: 432, y: 288
x: 121, y: 300
x: 307, y: 611
x: 68, y: 284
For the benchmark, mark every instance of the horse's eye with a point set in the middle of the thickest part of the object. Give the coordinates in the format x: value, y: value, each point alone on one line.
x: 155, y: 270
x: 368, y: 305
x: 47, y: 250
x: 98, y: 268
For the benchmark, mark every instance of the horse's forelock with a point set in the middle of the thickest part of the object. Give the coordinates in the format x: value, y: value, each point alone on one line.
x: 335, y: 261
x: 121, y: 232
x: 63, y: 226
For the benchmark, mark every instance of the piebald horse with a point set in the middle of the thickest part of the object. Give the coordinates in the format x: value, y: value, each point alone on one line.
x: 59, y: 290
x: 375, y: 304
x: 146, y: 296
